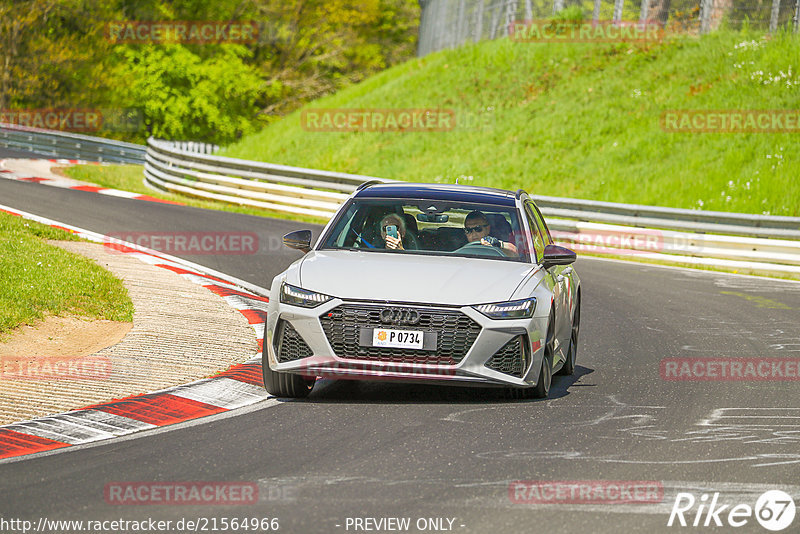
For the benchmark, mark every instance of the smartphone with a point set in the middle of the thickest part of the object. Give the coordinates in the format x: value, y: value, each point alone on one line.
x: 391, y: 230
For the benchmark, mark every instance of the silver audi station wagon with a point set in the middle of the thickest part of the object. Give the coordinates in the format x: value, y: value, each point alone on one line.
x: 446, y: 284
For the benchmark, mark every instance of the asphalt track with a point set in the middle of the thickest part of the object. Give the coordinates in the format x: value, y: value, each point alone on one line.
x: 395, y: 450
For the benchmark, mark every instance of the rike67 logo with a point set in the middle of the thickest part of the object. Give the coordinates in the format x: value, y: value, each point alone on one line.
x: 774, y: 510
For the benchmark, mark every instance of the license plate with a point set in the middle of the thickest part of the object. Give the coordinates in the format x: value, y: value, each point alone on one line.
x: 399, y: 339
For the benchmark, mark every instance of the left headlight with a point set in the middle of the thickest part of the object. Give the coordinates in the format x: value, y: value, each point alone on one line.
x: 514, y: 309
x: 304, y: 298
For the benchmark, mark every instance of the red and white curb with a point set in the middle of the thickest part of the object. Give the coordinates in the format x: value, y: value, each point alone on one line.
x: 239, y: 386
x: 69, y: 183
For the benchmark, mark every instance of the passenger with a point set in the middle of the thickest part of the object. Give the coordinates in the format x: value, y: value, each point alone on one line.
x: 395, y: 243
x: 477, y: 228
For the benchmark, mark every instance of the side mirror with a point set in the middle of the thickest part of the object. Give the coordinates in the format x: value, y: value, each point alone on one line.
x: 555, y: 255
x: 299, y: 239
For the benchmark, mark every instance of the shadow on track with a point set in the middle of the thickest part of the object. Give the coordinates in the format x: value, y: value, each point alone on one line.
x: 328, y: 391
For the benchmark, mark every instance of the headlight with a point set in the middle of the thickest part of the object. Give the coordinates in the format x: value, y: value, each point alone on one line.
x: 515, y: 309
x: 301, y: 297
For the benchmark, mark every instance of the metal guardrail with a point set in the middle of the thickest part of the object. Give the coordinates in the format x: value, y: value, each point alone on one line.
x: 717, y: 222
x: 744, y: 254
x: 184, y: 169
x: 750, y: 243
x: 69, y: 145
x: 758, y: 243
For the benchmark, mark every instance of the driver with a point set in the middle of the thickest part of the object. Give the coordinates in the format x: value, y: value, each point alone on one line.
x: 477, y: 228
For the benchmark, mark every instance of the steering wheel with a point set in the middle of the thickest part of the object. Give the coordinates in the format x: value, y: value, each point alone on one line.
x: 476, y: 248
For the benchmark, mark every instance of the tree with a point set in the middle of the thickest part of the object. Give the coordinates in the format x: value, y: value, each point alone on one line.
x: 184, y: 96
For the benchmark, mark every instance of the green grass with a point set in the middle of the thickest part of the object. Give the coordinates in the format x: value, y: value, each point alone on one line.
x: 574, y: 120
x: 39, y: 279
x: 131, y: 178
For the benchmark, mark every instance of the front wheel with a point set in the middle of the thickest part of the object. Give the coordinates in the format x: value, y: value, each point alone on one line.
x: 542, y: 388
x: 572, y: 353
x: 285, y: 385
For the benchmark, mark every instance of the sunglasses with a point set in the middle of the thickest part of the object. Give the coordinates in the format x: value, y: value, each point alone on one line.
x: 475, y: 229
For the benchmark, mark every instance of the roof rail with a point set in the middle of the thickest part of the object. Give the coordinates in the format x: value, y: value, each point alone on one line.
x: 367, y: 184
x: 519, y: 193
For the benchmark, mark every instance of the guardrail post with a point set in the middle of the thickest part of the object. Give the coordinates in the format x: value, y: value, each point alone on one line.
x: 643, y: 13
x: 773, y: 19
x: 796, y: 15
x: 479, y: 22
x: 705, y: 15
x: 618, y: 4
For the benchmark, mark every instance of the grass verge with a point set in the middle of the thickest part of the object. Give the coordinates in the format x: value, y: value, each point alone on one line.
x: 579, y: 120
x: 39, y: 279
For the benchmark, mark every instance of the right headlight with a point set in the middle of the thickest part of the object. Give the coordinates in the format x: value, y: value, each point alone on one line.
x: 512, y: 309
x: 297, y: 296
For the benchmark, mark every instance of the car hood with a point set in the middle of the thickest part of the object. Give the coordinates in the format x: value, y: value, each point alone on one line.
x: 410, y: 277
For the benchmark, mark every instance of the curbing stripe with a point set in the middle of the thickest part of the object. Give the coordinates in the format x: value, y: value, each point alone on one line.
x: 239, y: 386
x: 255, y: 316
x: 108, y: 422
x: 249, y: 373
x: 159, y: 409
x: 225, y: 392
x: 68, y: 183
x: 19, y: 444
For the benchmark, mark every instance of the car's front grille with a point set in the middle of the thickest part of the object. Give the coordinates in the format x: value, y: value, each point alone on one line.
x: 455, y: 334
x: 288, y: 344
x: 510, y: 359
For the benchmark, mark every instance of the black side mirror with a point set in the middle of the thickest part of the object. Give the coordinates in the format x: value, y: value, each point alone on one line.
x: 299, y: 239
x: 555, y: 255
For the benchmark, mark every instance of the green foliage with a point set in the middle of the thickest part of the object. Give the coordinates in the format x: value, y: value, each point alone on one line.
x: 185, y: 96
x: 56, y: 54
x: 573, y: 13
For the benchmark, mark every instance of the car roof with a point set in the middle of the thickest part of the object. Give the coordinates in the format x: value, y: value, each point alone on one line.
x: 446, y: 192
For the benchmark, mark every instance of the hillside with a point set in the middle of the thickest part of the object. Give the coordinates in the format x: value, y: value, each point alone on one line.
x: 577, y: 120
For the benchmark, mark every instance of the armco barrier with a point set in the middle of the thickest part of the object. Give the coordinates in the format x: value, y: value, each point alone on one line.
x: 180, y: 169
x: 669, y: 234
x: 69, y: 145
x: 757, y: 243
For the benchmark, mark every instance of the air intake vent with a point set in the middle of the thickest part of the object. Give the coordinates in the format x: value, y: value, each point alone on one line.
x: 512, y: 359
x: 288, y: 344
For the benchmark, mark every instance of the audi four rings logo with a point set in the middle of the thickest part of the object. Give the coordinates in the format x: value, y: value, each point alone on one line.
x: 399, y: 316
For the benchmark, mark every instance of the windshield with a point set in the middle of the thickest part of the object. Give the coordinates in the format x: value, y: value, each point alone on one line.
x: 425, y: 227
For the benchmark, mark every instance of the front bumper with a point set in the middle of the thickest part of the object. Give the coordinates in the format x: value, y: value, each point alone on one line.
x: 471, y: 349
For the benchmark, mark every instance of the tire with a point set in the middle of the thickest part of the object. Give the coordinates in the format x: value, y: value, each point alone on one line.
x: 572, y: 354
x: 286, y: 385
x: 542, y: 388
